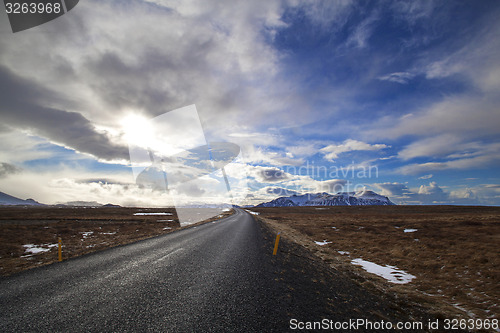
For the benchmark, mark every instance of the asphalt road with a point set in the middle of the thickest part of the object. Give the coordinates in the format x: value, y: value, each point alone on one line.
x: 216, y: 277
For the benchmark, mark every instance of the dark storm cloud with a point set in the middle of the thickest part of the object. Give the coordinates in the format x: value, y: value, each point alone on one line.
x: 21, y: 107
x: 270, y: 175
x: 280, y: 191
x: 7, y: 169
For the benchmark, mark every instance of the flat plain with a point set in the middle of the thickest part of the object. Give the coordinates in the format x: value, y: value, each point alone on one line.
x: 452, y: 251
x: 29, y: 235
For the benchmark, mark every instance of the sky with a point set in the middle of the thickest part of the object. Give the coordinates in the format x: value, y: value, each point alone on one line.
x: 398, y: 97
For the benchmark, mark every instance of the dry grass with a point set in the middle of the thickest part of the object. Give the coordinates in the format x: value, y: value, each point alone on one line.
x: 82, y: 230
x: 454, y: 254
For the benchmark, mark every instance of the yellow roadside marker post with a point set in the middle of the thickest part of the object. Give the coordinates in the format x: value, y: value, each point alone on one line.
x: 276, y: 243
x: 60, y: 249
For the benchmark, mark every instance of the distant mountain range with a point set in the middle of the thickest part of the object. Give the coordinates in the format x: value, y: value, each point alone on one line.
x: 9, y: 200
x: 363, y: 198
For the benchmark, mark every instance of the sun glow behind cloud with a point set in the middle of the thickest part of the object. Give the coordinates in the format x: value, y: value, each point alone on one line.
x: 137, y: 129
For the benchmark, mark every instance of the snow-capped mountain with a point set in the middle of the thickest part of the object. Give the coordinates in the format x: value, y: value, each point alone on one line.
x: 9, y: 200
x: 363, y: 198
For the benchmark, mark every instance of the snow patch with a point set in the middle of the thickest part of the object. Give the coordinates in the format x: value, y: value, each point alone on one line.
x: 390, y: 273
x: 324, y: 242
x: 141, y: 214
x: 86, y: 234
x: 253, y: 213
x: 410, y: 230
x: 34, y: 249
x: 164, y: 220
x: 344, y: 252
x: 226, y: 210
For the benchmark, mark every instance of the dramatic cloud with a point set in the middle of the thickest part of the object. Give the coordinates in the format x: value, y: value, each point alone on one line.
x: 20, y: 107
x: 171, y: 55
x: 408, y: 88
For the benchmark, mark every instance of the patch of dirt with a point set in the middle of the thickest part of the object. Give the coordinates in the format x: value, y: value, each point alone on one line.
x: 29, y: 235
x: 452, y: 250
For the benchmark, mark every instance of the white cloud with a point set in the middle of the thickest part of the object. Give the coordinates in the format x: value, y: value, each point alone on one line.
x: 363, y: 31
x: 259, y: 155
x: 478, y: 162
x: 306, y: 184
x: 413, y: 11
x: 393, y: 189
x: 398, y: 77
x: 332, y: 151
x: 428, y: 194
x: 18, y: 147
x: 303, y: 150
x: 431, y: 146
x: 331, y: 14
x: 462, y: 116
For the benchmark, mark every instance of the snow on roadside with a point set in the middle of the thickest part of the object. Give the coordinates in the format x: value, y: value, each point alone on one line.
x: 390, y: 273
x: 34, y: 249
x: 86, y: 234
x: 324, y: 242
x: 253, y: 213
x: 141, y: 214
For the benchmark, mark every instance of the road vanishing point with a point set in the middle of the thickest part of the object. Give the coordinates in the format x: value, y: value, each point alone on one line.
x: 216, y: 277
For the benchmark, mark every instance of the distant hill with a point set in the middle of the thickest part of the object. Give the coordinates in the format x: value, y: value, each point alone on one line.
x: 81, y: 204
x: 110, y: 205
x: 363, y: 198
x: 9, y: 200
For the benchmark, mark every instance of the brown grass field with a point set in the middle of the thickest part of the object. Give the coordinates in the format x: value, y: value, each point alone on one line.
x: 454, y: 253
x: 82, y: 230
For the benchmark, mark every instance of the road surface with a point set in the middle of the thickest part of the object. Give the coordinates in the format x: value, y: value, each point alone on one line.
x: 216, y: 277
